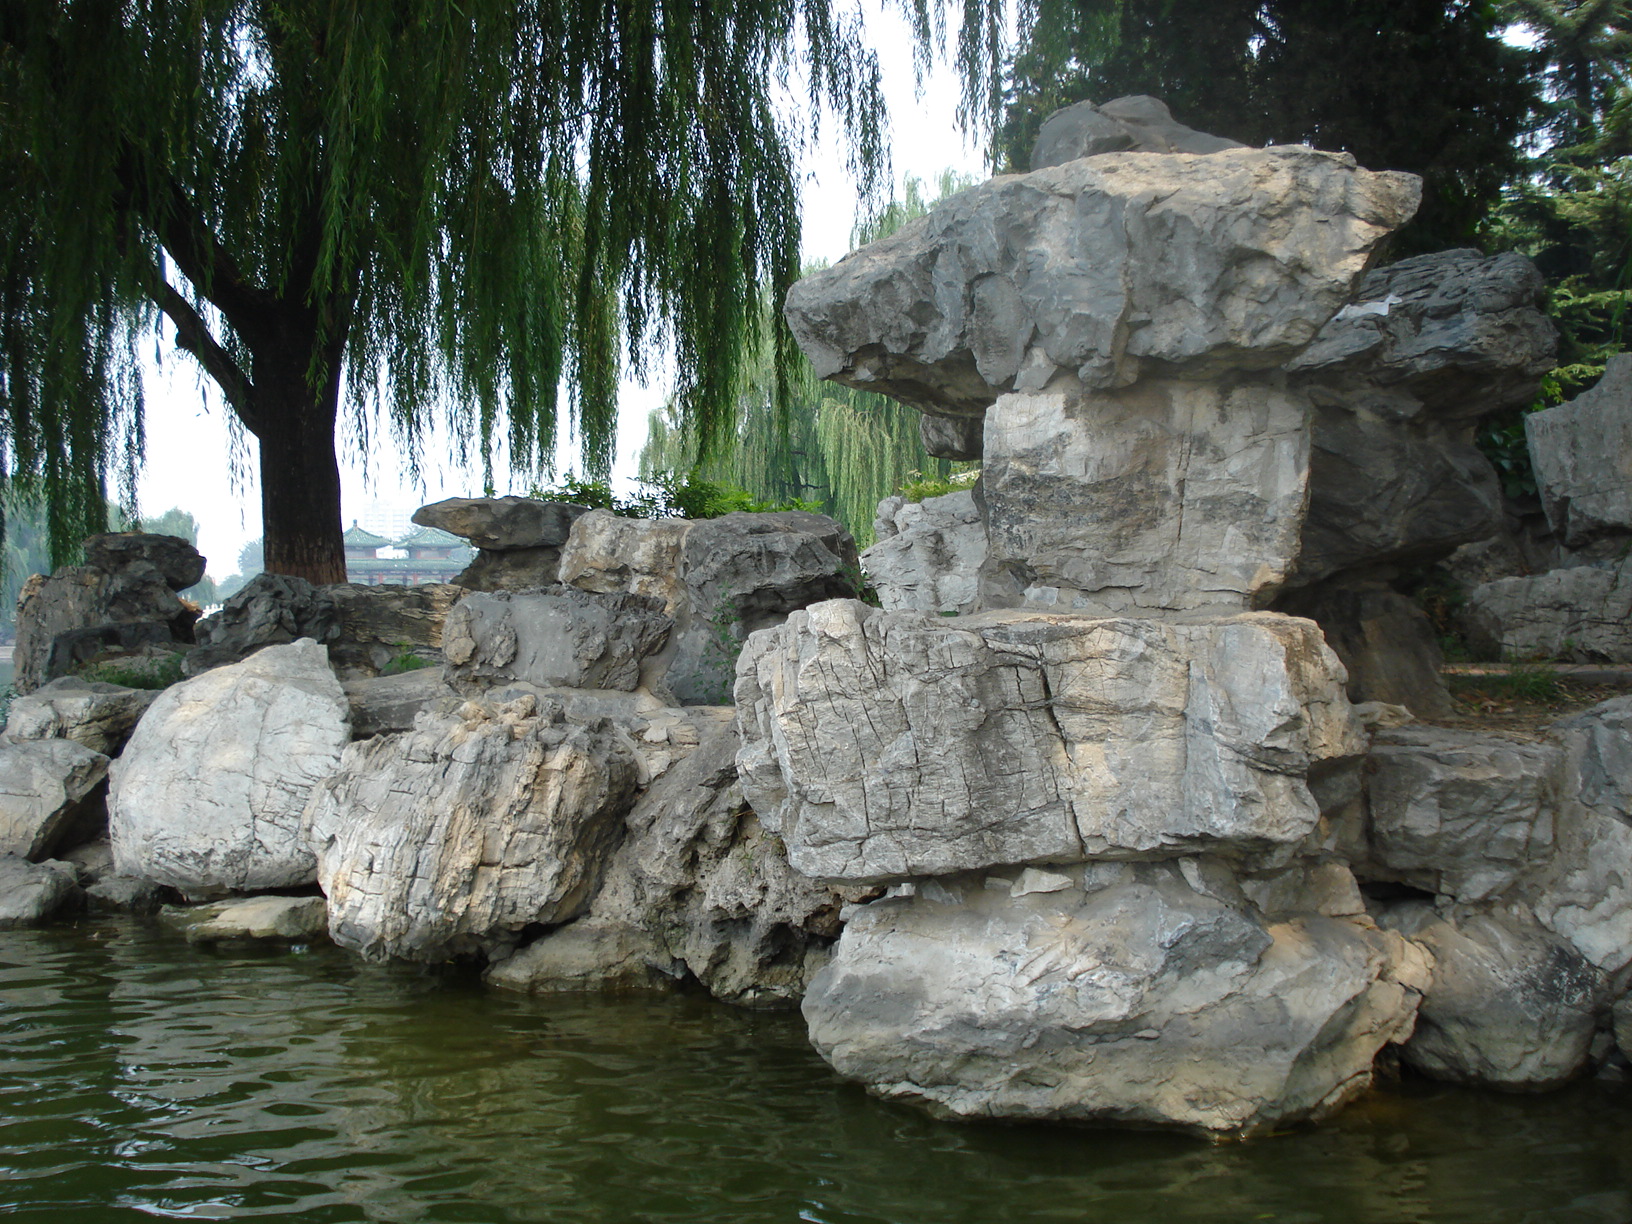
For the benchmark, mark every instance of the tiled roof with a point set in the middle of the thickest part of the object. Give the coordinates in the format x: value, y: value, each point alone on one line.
x: 357, y: 537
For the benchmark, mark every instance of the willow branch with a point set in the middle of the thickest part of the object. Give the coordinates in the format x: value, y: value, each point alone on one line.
x: 193, y: 336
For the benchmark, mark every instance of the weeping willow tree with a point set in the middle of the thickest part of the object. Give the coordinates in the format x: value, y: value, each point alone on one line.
x: 815, y: 441
x: 366, y: 215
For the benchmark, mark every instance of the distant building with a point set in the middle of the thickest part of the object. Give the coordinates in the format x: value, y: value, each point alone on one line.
x: 431, y: 556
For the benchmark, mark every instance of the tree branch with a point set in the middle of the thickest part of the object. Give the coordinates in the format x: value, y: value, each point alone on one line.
x: 193, y: 335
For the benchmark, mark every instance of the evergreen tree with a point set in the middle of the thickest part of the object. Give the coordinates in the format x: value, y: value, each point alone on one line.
x: 1421, y: 85
x: 349, y: 213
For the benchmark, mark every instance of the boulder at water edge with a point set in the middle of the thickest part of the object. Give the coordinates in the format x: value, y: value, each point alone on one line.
x: 458, y: 836
x: 1136, y: 994
x: 47, y: 800
x: 208, y: 794
x: 99, y: 716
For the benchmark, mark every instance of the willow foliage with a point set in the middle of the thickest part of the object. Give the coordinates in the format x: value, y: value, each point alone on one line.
x: 393, y: 211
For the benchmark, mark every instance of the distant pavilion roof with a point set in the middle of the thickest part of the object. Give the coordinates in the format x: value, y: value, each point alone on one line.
x: 431, y: 537
x: 357, y: 537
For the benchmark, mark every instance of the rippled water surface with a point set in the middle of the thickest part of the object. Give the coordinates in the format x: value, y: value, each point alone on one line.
x: 140, y: 1077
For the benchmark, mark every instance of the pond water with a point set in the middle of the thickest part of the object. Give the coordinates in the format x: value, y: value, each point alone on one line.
x: 141, y: 1078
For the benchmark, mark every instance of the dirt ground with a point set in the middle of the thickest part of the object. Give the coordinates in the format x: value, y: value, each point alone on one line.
x: 1524, y: 701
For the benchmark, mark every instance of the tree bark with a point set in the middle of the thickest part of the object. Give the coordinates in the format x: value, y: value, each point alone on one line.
x: 300, y: 476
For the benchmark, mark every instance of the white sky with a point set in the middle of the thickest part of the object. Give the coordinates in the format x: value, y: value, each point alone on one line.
x: 187, y: 439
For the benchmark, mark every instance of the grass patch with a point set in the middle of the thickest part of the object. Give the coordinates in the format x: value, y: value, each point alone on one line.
x: 139, y: 672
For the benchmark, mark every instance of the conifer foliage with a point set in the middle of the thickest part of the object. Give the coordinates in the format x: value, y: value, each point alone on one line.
x: 355, y: 214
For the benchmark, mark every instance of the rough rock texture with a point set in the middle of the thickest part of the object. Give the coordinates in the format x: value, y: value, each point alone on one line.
x: 383, y: 704
x: 381, y: 625
x: 31, y: 893
x: 81, y: 611
x: 1129, y: 994
x: 1582, y: 614
x: 503, y: 523
x: 556, y: 636
x: 1510, y: 1005
x: 1171, y: 494
x: 518, y: 539
x: 49, y: 799
x: 1385, y: 640
x: 172, y: 558
x: 1623, y: 1026
x: 1098, y: 268
x: 1137, y: 124
x: 99, y: 716
x: 885, y: 745
x: 457, y: 837
x: 698, y: 887
x: 269, y: 610
x: 929, y: 553
x: 272, y: 919
x: 208, y: 794
x: 1582, y: 455
x: 1459, y: 813
x: 719, y: 579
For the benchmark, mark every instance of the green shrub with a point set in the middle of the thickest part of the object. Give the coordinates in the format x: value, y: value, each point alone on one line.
x: 918, y: 487
x: 667, y: 496
x: 138, y: 672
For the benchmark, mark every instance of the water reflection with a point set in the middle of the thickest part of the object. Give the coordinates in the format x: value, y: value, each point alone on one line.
x: 144, y: 1078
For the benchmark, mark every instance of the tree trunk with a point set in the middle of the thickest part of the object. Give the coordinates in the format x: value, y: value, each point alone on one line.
x: 300, y: 477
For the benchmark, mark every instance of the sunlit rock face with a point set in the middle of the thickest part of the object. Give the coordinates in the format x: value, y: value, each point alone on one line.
x: 455, y: 837
x: 207, y: 796
x: 889, y: 745
x: 1135, y: 994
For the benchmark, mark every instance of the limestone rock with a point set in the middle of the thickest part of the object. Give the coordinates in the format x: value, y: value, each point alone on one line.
x: 516, y: 569
x: 1167, y: 495
x: 269, y: 610
x: 31, y: 893
x: 1132, y: 998
x: 208, y: 794
x: 1098, y: 268
x: 80, y: 611
x: 1582, y: 455
x: 1386, y: 642
x: 503, y: 523
x: 99, y: 716
x: 48, y: 799
x: 556, y: 636
x: 1510, y: 1006
x: 1623, y: 1026
x: 930, y: 557
x: 173, y: 558
x: 1582, y: 615
x: 384, y: 704
x: 457, y: 837
x: 885, y: 745
x: 382, y: 625
x: 1461, y: 331
x: 1459, y: 813
x: 1137, y: 124
x: 698, y: 886
x: 720, y: 579
x: 273, y: 919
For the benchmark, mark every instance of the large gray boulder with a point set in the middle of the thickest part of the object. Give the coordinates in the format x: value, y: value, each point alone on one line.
x: 1510, y: 1005
x: 100, y: 716
x: 126, y: 602
x: 1582, y: 455
x: 928, y: 554
x: 388, y: 625
x: 268, y: 610
x: 1458, y: 813
x: 455, y: 838
x: 698, y: 887
x: 518, y: 539
x: 381, y: 705
x: 32, y: 893
x: 1137, y: 124
x: 1582, y: 614
x: 1169, y: 495
x: 719, y: 579
x: 208, y: 795
x: 1100, y: 268
x: 1386, y: 642
x: 557, y: 636
x: 1135, y: 994
x: 48, y: 796
x: 888, y: 745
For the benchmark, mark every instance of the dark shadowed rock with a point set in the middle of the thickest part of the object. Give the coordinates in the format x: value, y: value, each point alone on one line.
x: 503, y: 523
x: 177, y: 561
x: 269, y: 610
x: 32, y: 893
x: 1582, y: 454
x: 49, y: 796
x: 99, y: 716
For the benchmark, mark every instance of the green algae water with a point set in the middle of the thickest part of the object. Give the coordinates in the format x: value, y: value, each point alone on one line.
x: 141, y: 1078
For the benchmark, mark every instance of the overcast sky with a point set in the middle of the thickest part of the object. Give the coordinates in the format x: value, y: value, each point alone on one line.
x: 188, y: 461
